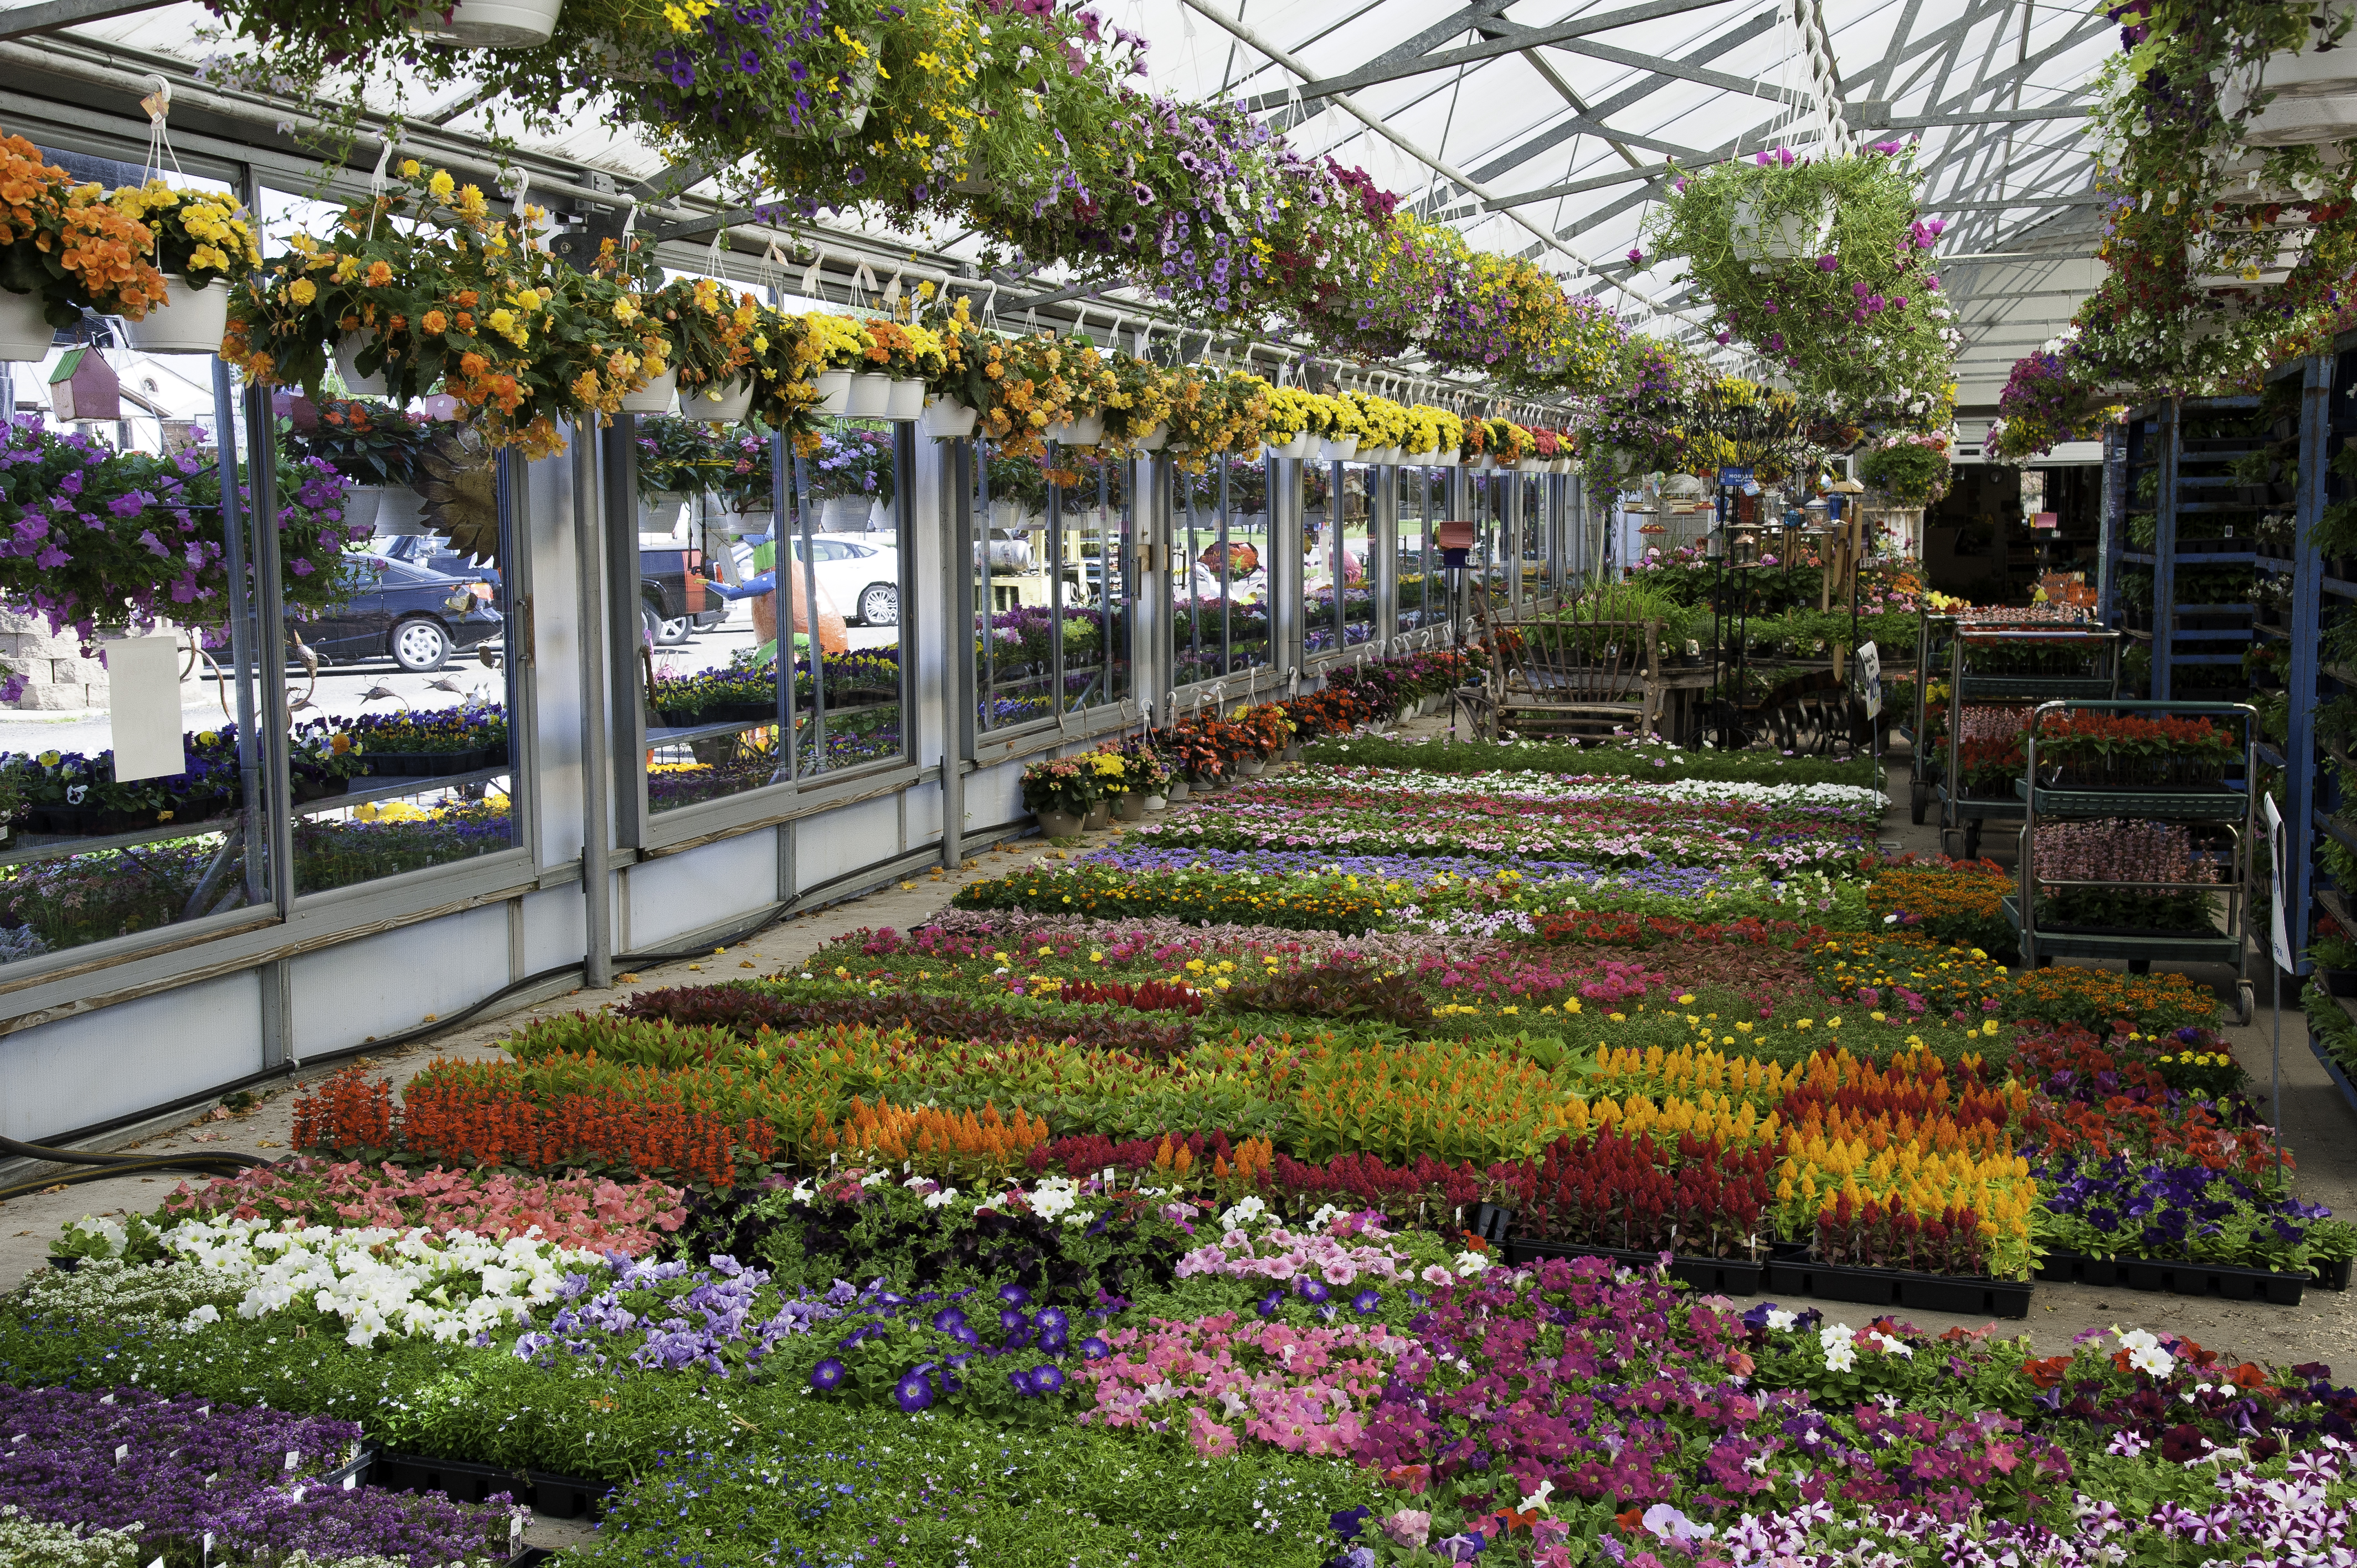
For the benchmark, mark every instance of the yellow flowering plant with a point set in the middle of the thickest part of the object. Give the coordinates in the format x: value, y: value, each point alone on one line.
x: 1289, y: 415
x: 1432, y: 430
x: 707, y: 330
x: 1381, y: 421
x: 1333, y: 417
x: 451, y: 301
x: 1139, y: 402
x: 201, y: 237
x: 835, y: 342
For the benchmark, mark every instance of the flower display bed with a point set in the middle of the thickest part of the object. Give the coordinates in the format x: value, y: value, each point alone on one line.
x: 1259, y: 1169
x: 1720, y: 1276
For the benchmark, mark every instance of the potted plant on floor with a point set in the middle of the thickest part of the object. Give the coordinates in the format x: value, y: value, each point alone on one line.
x: 1059, y: 791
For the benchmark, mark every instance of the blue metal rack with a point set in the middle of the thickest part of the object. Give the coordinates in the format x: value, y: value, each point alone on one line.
x: 2187, y: 484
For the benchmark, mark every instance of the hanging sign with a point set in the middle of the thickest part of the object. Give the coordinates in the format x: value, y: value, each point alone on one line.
x: 2278, y: 854
x: 1870, y: 678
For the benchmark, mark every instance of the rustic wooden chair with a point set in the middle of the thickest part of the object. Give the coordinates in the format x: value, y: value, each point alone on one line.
x: 1582, y: 675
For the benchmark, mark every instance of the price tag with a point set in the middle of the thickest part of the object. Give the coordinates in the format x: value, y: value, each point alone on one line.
x: 293, y: 1457
x: 1870, y: 675
x: 351, y: 1481
x: 515, y: 1532
x: 205, y: 1410
x: 107, y: 1399
x: 206, y: 1561
x: 121, y: 1452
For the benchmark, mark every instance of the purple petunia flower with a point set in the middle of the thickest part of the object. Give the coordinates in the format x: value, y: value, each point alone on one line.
x: 827, y: 1376
x: 913, y: 1393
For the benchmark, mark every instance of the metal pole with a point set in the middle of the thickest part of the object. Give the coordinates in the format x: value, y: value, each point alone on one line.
x: 810, y: 602
x: 240, y: 631
x: 1227, y: 575
x: 1055, y: 520
x: 591, y: 458
x: 262, y: 482
x: 957, y: 656
x: 987, y: 628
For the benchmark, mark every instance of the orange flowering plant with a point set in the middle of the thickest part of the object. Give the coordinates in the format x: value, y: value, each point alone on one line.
x: 67, y: 245
x: 451, y: 300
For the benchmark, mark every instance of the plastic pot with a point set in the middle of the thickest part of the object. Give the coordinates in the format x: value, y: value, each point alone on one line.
x: 190, y: 321
x: 834, y: 392
x: 655, y: 397
x: 907, y: 400
x: 726, y: 403
x: 871, y: 395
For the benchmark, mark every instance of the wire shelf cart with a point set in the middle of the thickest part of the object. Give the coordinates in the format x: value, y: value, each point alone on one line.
x: 2219, y: 809
x: 1995, y: 677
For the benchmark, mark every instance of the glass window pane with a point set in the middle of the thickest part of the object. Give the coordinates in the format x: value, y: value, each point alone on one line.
x: 1221, y: 577
x: 134, y: 780
x: 400, y: 680
x: 1054, y: 582
x: 1423, y: 495
x: 710, y: 550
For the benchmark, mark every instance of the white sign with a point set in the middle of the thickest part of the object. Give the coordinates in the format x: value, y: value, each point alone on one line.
x: 142, y: 706
x: 1870, y: 678
x: 2278, y: 852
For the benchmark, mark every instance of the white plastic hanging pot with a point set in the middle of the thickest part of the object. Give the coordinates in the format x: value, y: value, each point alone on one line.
x: 190, y: 321
x: 491, y: 23
x: 394, y: 510
x: 747, y: 524
x: 723, y: 402
x: 659, y: 512
x: 2315, y: 94
x: 871, y: 395
x: 1389, y: 457
x: 25, y: 335
x: 834, y: 392
x: 1085, y: 431
x: 1338, y: 448
x: 655, y: 397
x: 1155, y: 439
x: 908, y: 398
x: 348, y: 354
x: 1423, y: 459
x: 947, y: 417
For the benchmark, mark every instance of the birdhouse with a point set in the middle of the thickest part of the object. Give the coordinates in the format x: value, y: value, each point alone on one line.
x: 1456, y: 542
x: 84, y: 386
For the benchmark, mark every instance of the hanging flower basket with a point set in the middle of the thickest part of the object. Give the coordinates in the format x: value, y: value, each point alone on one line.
x: 945, y: 418
x: 726, y: 403
x: 491, y: 23
x: 25, y: 334
x: 190, y: 321
x: 1764, y: 238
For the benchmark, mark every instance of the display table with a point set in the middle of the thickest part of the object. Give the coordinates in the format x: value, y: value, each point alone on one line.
x: 1673, y: 703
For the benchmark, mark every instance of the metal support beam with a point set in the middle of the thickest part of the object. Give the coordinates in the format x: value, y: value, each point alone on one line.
x: 1507, y: 43
x: 1376, y: 123
x: 24, y: 21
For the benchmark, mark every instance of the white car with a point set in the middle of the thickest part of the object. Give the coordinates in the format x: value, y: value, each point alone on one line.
x: 864, y: 579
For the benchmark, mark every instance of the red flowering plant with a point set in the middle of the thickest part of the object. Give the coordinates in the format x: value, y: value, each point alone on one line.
x: 2080, y: 749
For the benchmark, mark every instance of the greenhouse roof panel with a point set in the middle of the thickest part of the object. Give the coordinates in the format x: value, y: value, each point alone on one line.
x: 1552, y: 130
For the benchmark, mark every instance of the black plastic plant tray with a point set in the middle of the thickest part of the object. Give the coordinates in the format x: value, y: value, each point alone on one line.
x: 551, y: 1496
x: 424, y: 764
x: 1723, y: 1276
x: 1967, y: 1294
x: 2340, y: 1079
x: 2073, y: 1268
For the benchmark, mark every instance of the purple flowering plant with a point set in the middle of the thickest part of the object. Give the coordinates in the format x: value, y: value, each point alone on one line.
x: 185, y: 1468
x: 101, y: 540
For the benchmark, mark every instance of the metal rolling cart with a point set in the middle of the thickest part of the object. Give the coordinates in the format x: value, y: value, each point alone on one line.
x: 1933, y: 633
x: 2047, y: 665
x: 2228, y: 803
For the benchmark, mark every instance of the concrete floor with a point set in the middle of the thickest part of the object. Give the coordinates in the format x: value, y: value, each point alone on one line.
x: 2317, y: 1127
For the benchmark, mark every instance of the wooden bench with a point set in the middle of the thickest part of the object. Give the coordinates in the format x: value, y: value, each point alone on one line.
x: 1569, y: 678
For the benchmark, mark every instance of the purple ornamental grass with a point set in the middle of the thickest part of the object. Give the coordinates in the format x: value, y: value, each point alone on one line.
x: 189, y: 1467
